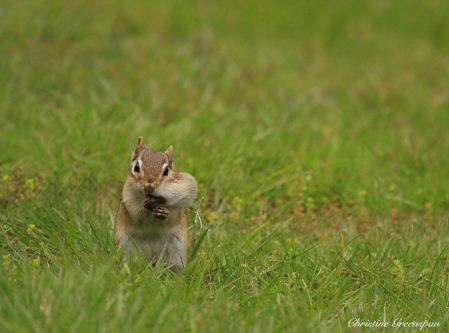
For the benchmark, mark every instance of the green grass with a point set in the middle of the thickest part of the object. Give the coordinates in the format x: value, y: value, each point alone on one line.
x: 317, y: 132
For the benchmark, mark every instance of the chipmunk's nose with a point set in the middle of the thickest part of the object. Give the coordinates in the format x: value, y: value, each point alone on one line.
x: 149, y: 188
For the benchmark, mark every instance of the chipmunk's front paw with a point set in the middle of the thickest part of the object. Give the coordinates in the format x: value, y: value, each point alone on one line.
x: 149, y: 203
x: 161, y: 212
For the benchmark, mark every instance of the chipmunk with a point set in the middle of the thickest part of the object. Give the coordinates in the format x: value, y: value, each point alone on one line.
x: 152, y: 209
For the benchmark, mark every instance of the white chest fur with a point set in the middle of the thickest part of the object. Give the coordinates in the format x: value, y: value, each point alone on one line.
x: 154, y: 238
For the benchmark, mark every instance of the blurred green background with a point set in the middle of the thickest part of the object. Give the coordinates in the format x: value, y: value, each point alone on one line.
x: 318, y: 118
x: 250, y: 93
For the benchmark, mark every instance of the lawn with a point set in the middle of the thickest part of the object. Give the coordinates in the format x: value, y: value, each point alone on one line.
x: 318, y: 133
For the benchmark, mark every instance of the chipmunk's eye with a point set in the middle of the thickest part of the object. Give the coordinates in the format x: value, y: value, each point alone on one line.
x: 137, y: 167
x: 166, y: 172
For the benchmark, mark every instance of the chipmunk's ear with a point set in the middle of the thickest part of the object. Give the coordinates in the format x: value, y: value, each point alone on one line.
x: 169, y: 153
x: 140, y: 146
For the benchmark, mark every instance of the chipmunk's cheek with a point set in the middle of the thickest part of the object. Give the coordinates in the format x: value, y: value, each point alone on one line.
x: 167, y: 195
x: 138, y: 188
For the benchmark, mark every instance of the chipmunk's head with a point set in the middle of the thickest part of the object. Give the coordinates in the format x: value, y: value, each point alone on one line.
x: 150, y: 168
x: 151, y: 175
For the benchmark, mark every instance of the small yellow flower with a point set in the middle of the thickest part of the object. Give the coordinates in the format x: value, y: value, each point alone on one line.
x: 7, y: 260
x: 31, y: 228
x: 37, y: 262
